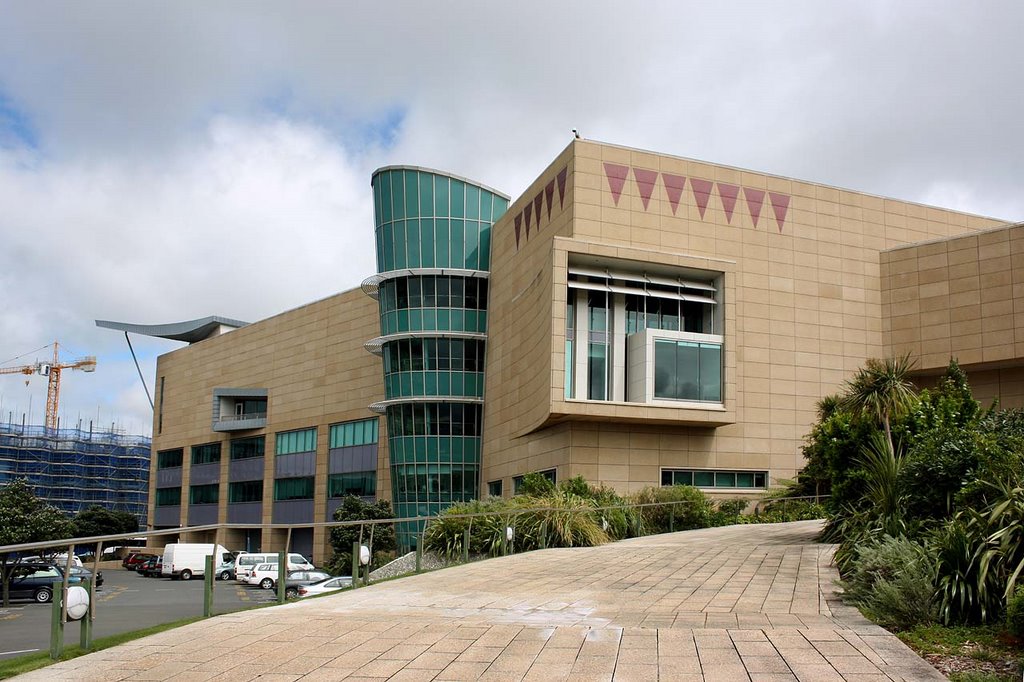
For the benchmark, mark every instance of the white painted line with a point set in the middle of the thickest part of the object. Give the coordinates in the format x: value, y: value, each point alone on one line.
x: 20, y: 651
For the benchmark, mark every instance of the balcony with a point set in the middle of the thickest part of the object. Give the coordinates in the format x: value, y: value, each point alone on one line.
x: 239, y: 409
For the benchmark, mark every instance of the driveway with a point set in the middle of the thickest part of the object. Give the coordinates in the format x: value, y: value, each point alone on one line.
x: 753, y: 602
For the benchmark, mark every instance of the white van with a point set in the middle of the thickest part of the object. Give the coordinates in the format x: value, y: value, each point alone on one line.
x: 186, y: 559
x: 246, y: 562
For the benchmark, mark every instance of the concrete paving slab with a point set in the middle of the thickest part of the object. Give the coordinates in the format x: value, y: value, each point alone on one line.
x: 753, y: 603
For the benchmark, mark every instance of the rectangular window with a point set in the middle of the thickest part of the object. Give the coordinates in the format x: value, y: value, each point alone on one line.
x: 204, y: 494
x: 712, y: 478
x: 168, y: 497
x: 206, y: 454
x: 359, y: 483
x: 160, y: 414
x: 291, y: 442
x: 247, y: 448
x: 293, y: 489
x: 245, y: 491
x: 687, y: 370
x: 169, y: 459
x: 348, y: 434
x: 494, y: 488
x: 517, y: 481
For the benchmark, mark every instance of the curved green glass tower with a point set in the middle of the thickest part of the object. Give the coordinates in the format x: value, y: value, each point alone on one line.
x: 433, y: 234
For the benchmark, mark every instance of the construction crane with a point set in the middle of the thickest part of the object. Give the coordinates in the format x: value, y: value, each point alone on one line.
x: 52, y: 370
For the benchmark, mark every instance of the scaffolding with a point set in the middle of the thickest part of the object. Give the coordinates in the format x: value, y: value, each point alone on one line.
x: 73, y: 469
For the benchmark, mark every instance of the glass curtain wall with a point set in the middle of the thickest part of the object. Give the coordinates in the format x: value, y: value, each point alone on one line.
x: 433, y: 327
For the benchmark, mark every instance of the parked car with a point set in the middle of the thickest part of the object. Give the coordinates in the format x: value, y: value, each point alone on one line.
x: 86, y: 574
x: 132, y: 561
x: 186, y: 559
x: 246, y: 561
x: 151, y: 567
x: 34, y: 580
x: 323, y: 587
x: 264, y: 575
x: 297, y: 579
x: 226, y: 571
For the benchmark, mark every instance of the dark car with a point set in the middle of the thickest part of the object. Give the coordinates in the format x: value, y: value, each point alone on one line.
x: 297, y: 579
x: 35, y: 581
x: 86, y: 574
x: 132, y: 561
x: 151, y: 567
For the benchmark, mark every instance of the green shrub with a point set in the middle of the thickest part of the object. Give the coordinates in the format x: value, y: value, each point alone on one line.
x: 891, y: 580
x: 1015, y: 613
x: 536, y: 485
x: 445, y: 535
x: 691, y: 509
x: 561, y: 519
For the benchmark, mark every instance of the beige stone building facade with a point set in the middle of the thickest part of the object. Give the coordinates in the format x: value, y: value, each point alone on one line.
x: 650, y: 320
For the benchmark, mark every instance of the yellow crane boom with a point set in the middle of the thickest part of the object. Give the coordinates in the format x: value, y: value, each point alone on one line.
x: 52, y: 371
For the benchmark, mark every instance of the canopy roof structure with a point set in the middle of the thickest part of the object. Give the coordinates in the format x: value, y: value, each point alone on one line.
x: 189, y: 331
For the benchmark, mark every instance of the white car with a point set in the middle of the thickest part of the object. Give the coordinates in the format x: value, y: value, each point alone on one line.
x: 264, y: 575
x: 329, y: 585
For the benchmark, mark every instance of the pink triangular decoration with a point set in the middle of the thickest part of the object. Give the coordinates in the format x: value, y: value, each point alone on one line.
x: 527, y: 214
x: 728, y: 194
x: 562, y: 174
x: 701, y: 193
x: 645, y: 180
x: 674, y: 185
x: 755, y: 200
x: 519, y: 227
x: 780, y: 203
x: 549, y: 194
x: 538, y: 201
x: 616, y: 179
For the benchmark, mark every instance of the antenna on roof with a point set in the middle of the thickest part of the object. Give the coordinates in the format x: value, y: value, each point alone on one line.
x: 576, y: 133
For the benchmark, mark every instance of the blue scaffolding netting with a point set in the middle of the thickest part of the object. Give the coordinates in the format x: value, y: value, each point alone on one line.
x: 73, y: 469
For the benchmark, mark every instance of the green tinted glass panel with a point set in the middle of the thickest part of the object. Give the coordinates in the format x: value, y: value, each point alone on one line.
x: 397, y: 195
x: 206, y: 454
x: 204, y: 494
x: 246, y: 448
x: 412, y: 229
x: 427, y: 243
x: 169, y: 459
x: 385, y: 197
x: 359, y: 483
x: 458, y: 243
x: 362, y: 432
x: 458, y: 200
x: 441, y: 248
x: 440, y: 196
x: 704, y: 479
x: 485, y: 249
x: 472, y: 202
x: 412, y: 195
x: 472, y: 245
x: 426, y: 183
x: 293, y: 489
x: 168, y: 497
x: 400, y: 245
x: 245, y: 491
x: 291, y: 442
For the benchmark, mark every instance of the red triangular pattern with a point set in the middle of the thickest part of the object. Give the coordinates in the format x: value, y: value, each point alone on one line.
x: 616, y: 179
x: 527, y: 214
x: 701, y: 193
x: 519, y: 227
x: 562, y: 175
x: 549, y: 194
x: 674, y: 185
x: 755, y: 200
x: 780, y: 204
x: 645, y: 180
x: 728, y: 194
x: 538, y: 202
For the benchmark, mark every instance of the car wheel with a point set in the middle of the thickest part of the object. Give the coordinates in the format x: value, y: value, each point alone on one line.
x: 43, y: 595
x: 225, y: 575
x: 266, y: 583
x: 186, y: 574
x: 291, y: 593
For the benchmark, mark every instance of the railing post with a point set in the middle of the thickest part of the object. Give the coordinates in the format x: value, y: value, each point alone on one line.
x: 672, y: 518
x: 85, y: 631
x: 208, y: 579
x: 56, y: 624
x: 355, y: 564
x: 465, y: 546
x: 282, y: 574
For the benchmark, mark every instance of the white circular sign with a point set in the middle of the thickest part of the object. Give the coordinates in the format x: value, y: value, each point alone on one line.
x: 78, y: 602
x: 509, y: 533
x: 364, y: 555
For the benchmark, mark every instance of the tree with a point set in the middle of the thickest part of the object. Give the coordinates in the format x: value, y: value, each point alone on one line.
x: 354, y: 509
x: 25, y: 518
x: 98, y: 520
x: 881, y: 389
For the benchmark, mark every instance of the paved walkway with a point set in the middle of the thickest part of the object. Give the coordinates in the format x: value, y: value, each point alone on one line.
x: 737, y: 603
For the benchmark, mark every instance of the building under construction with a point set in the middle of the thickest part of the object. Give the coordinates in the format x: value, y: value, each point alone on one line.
x: 73, y: 469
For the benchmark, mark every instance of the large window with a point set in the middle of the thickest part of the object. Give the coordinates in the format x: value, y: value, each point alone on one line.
x: 293, y: 489
x: 494, y: 488
x: 433, y: 291
x: 517, y: 481
x: 362, y: 432
x: 435, y: 482
x: 168, y: 497
x: 434, y: 419
x: 686, y: 370
x: 206, y: 454
x: 714, y: 478
x: 247, y: 448
x: 204, y: 494
x: 597, y: 350
x: 291, y: 442
x: 245, y: 491
x: 169, y: 459
x: 358, y: 483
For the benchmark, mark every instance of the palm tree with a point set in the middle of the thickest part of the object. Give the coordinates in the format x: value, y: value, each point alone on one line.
x: 881, y: 388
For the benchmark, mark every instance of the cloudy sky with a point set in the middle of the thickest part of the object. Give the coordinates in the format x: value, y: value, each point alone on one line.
x: 163, y: 162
